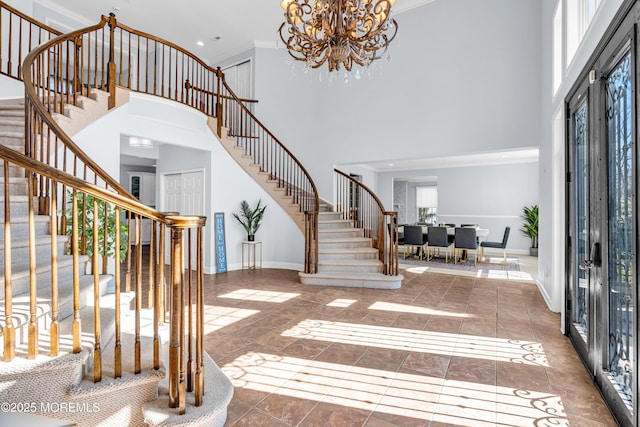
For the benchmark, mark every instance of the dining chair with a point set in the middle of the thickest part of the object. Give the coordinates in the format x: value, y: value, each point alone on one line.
x: 465, y: 240
x: 437, y: 238
x: 497, y: 245
x: 413, y: 238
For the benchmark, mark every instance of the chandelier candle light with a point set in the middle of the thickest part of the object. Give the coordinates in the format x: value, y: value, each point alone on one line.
x: 338, y: 32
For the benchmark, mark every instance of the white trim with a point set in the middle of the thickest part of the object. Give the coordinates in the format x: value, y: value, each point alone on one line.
x: 84, y: 21
x: 406, y: 5
x: 240, y: 61
x: 276, y: 265
x: 546, y: 297
x: 480, y: 216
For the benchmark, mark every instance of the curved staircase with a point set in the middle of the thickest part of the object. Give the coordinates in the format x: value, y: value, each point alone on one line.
x: 62, y: 386
x: 65, y: 321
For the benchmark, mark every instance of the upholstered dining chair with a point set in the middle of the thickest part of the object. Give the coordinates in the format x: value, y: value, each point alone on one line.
x: 465, y: 240
x: 497, y: 245
x: 437, y: 238
x: 413, y: 238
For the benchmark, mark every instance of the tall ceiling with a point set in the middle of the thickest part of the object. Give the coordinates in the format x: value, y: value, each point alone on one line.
x: 225, y: 27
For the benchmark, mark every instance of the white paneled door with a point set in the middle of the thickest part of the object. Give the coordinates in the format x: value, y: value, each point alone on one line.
x: 184, y: 193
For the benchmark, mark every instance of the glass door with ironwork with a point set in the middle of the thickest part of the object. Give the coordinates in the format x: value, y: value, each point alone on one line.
x: 601, y: 292
x: 619, y: 373
x: 581, y: 289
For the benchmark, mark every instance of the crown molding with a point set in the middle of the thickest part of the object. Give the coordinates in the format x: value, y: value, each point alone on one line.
x: 82, y: 20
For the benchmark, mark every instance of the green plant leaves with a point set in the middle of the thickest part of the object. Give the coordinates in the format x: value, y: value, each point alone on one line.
x: 530, y: 225
x: 249, y: 218
x: 106, y: 215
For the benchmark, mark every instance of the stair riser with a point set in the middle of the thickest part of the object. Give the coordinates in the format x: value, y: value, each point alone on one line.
x: 65, y: 310
x: 329, y: 216
x: 333, y: 225
x: 349, y: 268
x: 339, y: 233
x: 14, y: 171
x: 20, y: 283
x: 43, y: 252
x: 18, y: 208
x: 12, y: 140
x: 17, y: 187
x: 9, y: 111
x: 12, y: 125
x: 20, y: 230
x: 342, y: 245
x: 346, y: 256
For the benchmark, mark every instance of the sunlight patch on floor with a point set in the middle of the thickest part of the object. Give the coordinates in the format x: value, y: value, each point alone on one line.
x: 259, y: 295
x: 470, y: 346
x: 421, y: 397
x: 342, y: 302
x: 507, y: 275
x: 216, y: 317
x: 404, y: 308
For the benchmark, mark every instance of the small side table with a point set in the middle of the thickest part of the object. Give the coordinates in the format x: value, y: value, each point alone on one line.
x: 251, y: 257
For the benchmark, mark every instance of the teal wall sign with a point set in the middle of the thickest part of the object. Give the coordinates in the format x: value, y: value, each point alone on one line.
x: 221, y: 247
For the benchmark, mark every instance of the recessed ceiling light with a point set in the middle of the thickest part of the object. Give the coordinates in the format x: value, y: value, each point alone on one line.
x: 390, y: 164
x: 200, y: 43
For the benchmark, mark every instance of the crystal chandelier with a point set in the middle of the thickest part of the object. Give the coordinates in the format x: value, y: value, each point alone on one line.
x: 338, y: 32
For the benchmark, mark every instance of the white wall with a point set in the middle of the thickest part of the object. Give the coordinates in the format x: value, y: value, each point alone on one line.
x: 464, y: 78
x: 551, y: 274
x: 190, y: 144
x: 492, y: 196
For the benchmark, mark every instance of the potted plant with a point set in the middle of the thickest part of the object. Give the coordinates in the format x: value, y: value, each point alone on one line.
x: 250, y: 218
x: 530, y: 227
x: 86, y: 216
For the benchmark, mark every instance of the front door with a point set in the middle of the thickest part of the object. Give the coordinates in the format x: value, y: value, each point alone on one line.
x: 601, y: 296
x: 581, y: 289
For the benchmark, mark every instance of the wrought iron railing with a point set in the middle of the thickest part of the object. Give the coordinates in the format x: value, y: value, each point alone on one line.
x: 358, y: 204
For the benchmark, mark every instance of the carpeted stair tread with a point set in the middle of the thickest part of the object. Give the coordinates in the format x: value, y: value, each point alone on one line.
x: 213, y: 411
x: 21, y: 303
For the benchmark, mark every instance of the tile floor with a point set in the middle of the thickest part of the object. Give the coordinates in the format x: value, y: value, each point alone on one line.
x: 444, y: 350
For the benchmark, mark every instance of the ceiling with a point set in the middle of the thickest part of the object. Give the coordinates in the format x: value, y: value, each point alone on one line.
x: 239, y: 24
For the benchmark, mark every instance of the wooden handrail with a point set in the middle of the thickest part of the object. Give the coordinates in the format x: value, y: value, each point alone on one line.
x: 125, y: 202
x: 58, y: 73
x: 360, y: 205
x: 189, y: 86
x: 32, y: 99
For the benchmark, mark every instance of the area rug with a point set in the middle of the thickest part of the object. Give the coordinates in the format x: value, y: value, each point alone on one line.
x: 489, y: 263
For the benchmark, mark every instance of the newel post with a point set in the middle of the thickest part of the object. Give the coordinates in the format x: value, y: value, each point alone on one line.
x: 219, y: 102
x: 111, y: 71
